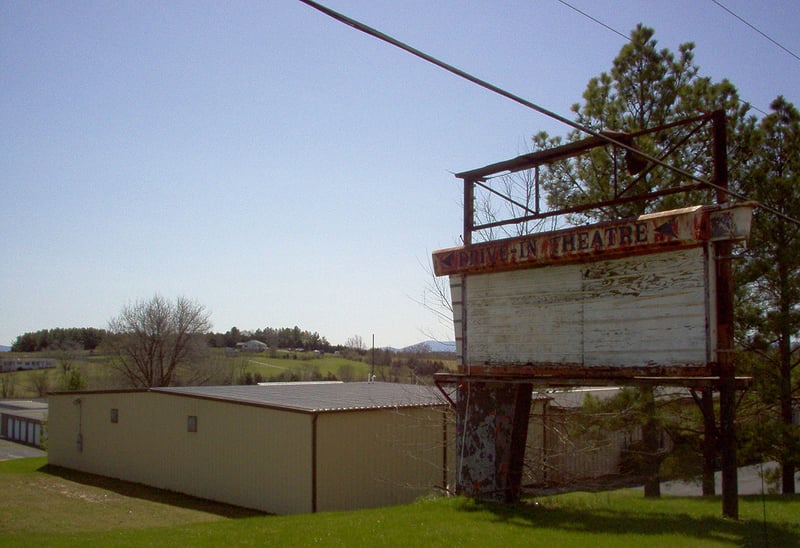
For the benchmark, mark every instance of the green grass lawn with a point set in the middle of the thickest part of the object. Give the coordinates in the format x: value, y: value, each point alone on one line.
x: 95, y: 369
x: 303, y: 365
x: 99, y: 374
x: 43, y: 506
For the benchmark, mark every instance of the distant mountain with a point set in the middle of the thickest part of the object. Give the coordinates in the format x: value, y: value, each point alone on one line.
x: 433, y: 346
x: 5, y: 348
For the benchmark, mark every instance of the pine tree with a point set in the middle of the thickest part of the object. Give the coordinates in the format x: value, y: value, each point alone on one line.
x: 769, y: 280
x: 646, y: 87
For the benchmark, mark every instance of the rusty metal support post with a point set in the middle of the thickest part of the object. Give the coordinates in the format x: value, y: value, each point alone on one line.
x: 466, y: 237
x: 725, y: 346
x: 492, y: 428
x: 650, y: 459
x: 469, y: 211
x: 710, y: 446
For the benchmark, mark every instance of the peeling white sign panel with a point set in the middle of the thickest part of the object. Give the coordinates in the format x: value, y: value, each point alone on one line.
x: 641, y: 296
x: 638, y: 311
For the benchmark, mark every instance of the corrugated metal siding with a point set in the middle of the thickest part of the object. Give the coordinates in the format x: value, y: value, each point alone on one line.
x: 251, y: 455
x: 636, y: 311
x: 379, y: 458
x: 244, y: 455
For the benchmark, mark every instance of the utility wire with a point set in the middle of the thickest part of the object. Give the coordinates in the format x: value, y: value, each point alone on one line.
x: 787, y: 50
x: 361, y: 27
x: 570, y: 6
x: 628, y: 38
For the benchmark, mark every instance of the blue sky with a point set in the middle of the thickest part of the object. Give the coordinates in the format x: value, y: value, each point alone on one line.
x: 284, y: 169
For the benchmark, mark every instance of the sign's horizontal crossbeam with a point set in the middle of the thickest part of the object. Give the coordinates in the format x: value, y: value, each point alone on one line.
x: 648, y: 233
x: 538, y: 216
x: 571, y: 379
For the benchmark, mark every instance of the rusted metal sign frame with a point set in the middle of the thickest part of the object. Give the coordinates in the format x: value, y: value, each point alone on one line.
x: 492, y: 254
x: 723, y: 378
x: 479, y: 176
x: 650, y: 233
x: 443, y: 380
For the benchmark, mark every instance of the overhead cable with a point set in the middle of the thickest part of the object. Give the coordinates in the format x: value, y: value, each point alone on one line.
x: 573, y: 8
x: 361, y: 27
x: 628, y: 38
x: 787, y: 50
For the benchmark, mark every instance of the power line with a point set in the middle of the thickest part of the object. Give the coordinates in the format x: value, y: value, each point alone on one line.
x: 361, y: 27
x: 570, y: 6
x: 787, y: 50
x: 628, y: 38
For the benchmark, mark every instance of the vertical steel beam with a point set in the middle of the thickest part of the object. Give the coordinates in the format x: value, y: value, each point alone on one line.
x: 469, y: 227
x: 469, y: 211
x: 725, y: 359
x: 651, y: 460
x: 710, y: 441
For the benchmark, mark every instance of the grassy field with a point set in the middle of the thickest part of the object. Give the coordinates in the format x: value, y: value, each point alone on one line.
x: 43, y: 506
x: 98, y: 373
x: 303, y: 365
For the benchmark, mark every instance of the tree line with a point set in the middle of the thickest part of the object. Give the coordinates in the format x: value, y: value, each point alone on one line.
x: 284, y: 337
x: 84, y: 338
x: 90, y: 338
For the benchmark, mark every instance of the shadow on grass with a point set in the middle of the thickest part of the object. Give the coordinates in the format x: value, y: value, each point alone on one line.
x: 145, y: 492
x: 621, y: 522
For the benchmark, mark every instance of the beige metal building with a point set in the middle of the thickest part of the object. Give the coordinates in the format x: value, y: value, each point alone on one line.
x: 285, y: 449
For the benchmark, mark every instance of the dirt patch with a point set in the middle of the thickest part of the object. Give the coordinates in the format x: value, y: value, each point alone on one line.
x: 75, y: 491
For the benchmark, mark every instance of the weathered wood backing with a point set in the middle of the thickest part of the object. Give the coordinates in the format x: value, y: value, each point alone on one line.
x: 648, y: 310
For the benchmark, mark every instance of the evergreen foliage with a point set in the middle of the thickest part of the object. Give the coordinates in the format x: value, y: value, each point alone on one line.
x: 647, y: 87
x: 286, y: 337
x: 86, y: 338
x: 768, y: 281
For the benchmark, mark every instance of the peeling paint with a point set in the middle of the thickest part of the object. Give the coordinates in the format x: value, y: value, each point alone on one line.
x: 492, y: 427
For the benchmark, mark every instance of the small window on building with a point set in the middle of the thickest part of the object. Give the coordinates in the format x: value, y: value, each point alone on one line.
x: 191, y: 424
x: 115, y: 416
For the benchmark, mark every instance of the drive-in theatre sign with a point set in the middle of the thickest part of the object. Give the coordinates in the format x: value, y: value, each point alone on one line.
x: 623, y: 298
x: 644, y: 301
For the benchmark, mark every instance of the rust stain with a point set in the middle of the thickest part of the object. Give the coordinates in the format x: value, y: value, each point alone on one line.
x: 650, y: 233
x: 489, y: 439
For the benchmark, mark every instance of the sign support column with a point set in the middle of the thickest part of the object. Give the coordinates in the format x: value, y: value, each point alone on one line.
x: 725, y: 346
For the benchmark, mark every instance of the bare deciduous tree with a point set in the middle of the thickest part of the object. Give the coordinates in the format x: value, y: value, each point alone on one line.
x: 7, y: 385
x: 435, y: 298
x: 151, y: 339
x: 40, y: 382
x: 356, y: 343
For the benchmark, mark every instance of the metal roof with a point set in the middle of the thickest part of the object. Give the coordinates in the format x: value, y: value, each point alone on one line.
x: 30, y: 409
x: 23, y: 404
x: 318, y: 397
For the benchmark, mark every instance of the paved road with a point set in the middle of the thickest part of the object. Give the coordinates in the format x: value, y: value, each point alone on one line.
x: 749, y: 483
x: 10, y: 450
